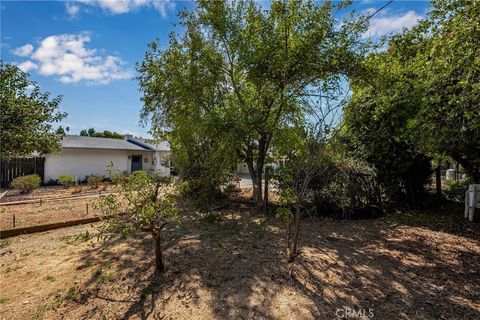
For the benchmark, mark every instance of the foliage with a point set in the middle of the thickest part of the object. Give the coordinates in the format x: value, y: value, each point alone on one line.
x: 101, y: 134
x: 239, y: 76
x: 61, y: 131
x: 422, y: 99
x: 346, y: 185
x: 143, y: 202
x: 66, y: 181
x: 376, y: 129
x: 94, y: 181
x: 309, y: 160
x: 26, y: 184
x: 455, y: 189
x: 447, y: 63
x: 26, y: 115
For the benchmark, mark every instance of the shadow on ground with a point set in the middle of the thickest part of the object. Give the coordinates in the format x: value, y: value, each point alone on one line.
x: 234, y: 268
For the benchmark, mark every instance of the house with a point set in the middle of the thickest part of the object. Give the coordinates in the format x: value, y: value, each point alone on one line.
x: 84, y: 156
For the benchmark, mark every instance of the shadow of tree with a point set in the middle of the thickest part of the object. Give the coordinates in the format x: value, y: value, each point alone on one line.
x: 235, y: 269
x: 401, y: 273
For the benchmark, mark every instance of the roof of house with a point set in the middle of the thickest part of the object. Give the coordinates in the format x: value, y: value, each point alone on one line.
x: 160, y: 146
x: 81, y: 142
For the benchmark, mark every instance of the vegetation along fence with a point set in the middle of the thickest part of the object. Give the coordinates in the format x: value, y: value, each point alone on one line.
x: 17, y: 167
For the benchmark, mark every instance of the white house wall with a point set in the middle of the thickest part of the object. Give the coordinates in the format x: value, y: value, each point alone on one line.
x: 81, y: 163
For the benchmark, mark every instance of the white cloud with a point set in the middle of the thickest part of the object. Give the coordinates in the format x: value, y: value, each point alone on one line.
x: 386, y: 24
x: 27, y: 66
x: 23, y: 51
x: 66, y: 57
x: 123, y: 6
x: 72, y: 9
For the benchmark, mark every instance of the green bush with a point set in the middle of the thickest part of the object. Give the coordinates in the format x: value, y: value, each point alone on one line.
x: 26, y: 184
x: 455, y: 189
x: 66, y: 181
x: 94, y: 181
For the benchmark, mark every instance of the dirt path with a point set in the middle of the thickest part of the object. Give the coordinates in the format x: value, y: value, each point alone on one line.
x: 234, y: 268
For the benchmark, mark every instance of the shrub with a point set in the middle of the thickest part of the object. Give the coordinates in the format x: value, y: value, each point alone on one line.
x: 77, y: 189
x: 26, y: 184
x: 94, y: 181
x: 455, y: 189
x: 66, y: 181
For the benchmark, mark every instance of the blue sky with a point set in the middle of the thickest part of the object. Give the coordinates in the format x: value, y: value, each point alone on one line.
x: 87, y: 50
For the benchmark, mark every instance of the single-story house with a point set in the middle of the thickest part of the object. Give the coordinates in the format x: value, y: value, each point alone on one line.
x: 84, y: 156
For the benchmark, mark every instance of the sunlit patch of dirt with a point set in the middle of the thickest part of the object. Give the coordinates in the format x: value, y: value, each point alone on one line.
x: 234, y: 267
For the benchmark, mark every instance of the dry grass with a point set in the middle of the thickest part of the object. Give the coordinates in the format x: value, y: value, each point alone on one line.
x: 54, y: 192
x: 48, y: 212
x: 234, y: 268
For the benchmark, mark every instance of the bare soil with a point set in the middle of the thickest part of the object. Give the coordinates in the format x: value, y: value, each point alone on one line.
x: 231, y: 265
x: 33, y: 214
x: 53, y: 192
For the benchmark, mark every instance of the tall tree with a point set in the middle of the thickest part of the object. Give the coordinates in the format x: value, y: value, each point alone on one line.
x: 249, y: 68
x: 447, y: 61
x: 377, y: 118
x: 26, y: 115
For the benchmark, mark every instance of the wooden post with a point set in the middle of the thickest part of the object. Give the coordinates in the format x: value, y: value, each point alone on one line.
x: 87, y: 208
x: 14, y: 220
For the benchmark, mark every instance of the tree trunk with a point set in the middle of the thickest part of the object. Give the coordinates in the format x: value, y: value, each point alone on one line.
x: 157, y: 248
x: 256, y: 176
x: 470, y: 168
x: 265, y: 194
x: 253, y: 177
x: 259, y: 198
x: 438, y: 182
x: 293, y: 251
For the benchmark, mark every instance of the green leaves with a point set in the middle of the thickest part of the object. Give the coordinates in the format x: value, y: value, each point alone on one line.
x: 143, y: 202
x: 238, y: 78
x: 26, y: 115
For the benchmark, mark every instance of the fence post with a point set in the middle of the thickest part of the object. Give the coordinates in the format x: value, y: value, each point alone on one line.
x: 14, y: 220
x: 87, y: 208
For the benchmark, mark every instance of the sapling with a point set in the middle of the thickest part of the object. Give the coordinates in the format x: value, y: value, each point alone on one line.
x: 142, y: 203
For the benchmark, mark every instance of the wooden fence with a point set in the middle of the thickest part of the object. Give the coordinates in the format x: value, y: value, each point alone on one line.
x: 17, y: 167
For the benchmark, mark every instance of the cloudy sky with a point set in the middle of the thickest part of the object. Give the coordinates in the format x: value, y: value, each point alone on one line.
x: 87, y: 50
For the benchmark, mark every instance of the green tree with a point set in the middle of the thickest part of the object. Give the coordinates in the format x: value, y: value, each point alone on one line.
x: 447, y: 62
x: 60, y: 130
x: 423, y: 96
x: 26, y: 115
x: 377, y: 117
x: 143, y: 203
x: 245, y: 70
x: 309, y: 159
x: 101, y: 134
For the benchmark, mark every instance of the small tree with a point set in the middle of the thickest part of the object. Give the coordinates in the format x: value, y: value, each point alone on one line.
x: 143, y: 202
x: 308, y: 159
x: 294, y: 179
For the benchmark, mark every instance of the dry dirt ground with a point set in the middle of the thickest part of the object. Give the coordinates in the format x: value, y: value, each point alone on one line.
x: 232, y: 266
x: 53, y: 192
x: 32, y: 214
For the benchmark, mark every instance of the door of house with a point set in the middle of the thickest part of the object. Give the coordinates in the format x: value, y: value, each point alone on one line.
x: 136, y: 163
